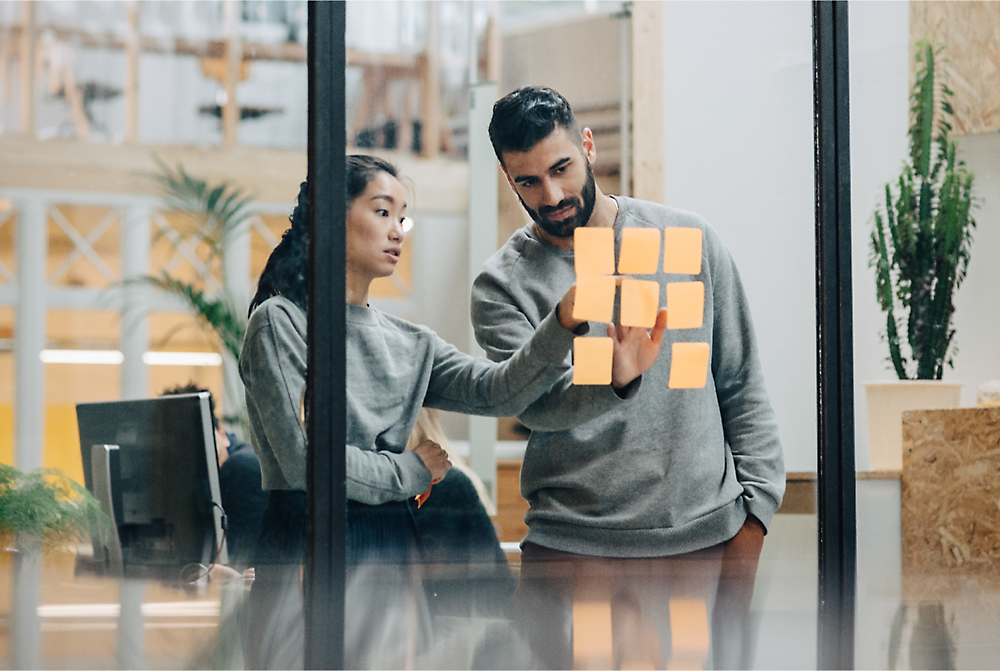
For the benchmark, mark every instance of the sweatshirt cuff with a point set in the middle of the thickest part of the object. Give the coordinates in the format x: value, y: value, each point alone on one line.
x: 419, y: 475
x: 760, y: 505
x: 629, y: 390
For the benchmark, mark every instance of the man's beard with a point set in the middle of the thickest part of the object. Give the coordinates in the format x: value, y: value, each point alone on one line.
x: 564, y: 228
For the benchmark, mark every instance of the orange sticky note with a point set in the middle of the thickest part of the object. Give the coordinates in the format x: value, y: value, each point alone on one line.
x: 682, y: 250
x: 595, y: 298
x: 688, y: 365
x: 685, y: 305
x: 640, y: 301
x: 592, y: 360
x: 594, y: 251
x: 640, y: 251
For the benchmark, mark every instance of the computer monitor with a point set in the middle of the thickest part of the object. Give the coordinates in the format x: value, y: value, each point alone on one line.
x: 157, y: 476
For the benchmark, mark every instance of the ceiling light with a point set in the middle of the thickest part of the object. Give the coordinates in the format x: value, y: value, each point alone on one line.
x: 105, y: 356
x: 182, y: 359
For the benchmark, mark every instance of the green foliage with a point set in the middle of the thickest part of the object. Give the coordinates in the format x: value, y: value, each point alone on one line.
x: 922, y: 236
x: 221, y: 208
x: 219, y: 315
x: 45, y: 508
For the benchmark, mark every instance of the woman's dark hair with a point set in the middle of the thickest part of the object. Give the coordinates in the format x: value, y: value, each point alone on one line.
x: 525, y: 117
x: 285, y: 272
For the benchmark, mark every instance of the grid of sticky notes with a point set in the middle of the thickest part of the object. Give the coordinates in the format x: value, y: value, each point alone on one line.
x: 594, y: 258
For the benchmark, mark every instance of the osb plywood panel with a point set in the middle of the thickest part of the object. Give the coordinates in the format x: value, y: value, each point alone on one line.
x: 950, y: 500
x: 970, y: 31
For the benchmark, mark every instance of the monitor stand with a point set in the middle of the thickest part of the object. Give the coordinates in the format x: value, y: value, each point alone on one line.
x: 107, y: 545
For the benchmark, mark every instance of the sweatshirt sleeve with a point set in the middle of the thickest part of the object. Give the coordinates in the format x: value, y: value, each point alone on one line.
x: 275, y: 364
x: 462, y: 383
x: 501, y: 328
x: 748, y: 419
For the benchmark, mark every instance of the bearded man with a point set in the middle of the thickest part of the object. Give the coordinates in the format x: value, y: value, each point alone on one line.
x: 638, y: 493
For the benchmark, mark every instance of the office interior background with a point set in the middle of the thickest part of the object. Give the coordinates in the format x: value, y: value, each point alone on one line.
x: 706, y: 107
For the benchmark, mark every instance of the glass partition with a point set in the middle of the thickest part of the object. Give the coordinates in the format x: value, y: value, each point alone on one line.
x: 927, y: 514
x: 149, y: 151
x: 446, y: 585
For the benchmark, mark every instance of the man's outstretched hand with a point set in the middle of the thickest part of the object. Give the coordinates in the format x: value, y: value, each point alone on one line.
x: 636, y: 349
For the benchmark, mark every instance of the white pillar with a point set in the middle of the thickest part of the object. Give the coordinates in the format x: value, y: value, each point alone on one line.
x: 131, y: 624
x: 134, y: 335
x: 625, y: 105
x: 29, y: 334
x: 26, y: 596
x: 236, y: 284
x: 483, y: 227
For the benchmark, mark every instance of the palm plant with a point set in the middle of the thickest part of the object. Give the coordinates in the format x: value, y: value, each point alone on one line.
x: 922, y: 235
x: 221, y: 210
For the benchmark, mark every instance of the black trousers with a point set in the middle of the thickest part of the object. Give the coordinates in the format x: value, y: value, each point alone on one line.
x: 377, y: 536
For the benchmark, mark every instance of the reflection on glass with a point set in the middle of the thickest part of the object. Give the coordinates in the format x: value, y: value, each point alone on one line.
x: 927, y: 506
x: 123, y: 277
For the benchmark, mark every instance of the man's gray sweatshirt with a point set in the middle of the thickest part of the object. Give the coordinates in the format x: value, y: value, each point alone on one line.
x: 394, y: 368
x: 667, y: 471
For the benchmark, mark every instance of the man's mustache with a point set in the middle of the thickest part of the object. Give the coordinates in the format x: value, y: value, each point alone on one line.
x: 544, y: 210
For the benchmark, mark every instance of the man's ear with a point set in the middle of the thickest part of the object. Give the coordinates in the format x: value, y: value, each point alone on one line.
x: 589, y: 148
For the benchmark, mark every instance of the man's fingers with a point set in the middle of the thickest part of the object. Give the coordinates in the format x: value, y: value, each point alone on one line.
x: 660, y: 327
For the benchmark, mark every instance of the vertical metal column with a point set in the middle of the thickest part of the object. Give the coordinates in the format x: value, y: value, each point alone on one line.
x: 134, y: 335
x: 29, y: 333
x: 834, y: 326
x: 326, y: 420
x: 483, y: 231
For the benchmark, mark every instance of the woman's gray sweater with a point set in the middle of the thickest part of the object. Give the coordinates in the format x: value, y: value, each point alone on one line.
x: 394, y: 368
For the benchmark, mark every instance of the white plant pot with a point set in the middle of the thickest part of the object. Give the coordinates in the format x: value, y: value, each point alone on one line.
x: 887, y: 401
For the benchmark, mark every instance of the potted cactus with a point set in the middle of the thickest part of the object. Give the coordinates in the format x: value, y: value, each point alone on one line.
x: 920, y: 248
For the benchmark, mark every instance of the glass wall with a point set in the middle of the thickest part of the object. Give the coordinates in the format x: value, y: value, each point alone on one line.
x: 927, y: 514
x: 706, y: 118
x: 149, y: 151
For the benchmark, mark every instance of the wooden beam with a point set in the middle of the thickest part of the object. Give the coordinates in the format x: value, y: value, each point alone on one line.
x: 132, y: 74
x: 27, y: 64
x: 647, y: 101
x: 234, y: 58
x: 430, y: 128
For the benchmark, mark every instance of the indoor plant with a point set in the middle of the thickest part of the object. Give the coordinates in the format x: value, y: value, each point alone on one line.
x: 42, y: 509
x: 920, y: 249
x: 221, y: 211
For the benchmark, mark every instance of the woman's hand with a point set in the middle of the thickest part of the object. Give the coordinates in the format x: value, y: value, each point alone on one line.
x: 434, y: 458
x: 636, y: 349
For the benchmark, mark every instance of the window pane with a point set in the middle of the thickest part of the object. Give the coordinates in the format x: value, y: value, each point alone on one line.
x: 145, y: 145
x: 712, y: 135
x: 927, y: 487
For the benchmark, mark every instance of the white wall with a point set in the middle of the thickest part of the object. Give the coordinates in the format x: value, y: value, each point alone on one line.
x: 879, y: 105
x: 880, y: 32
x: 739, y: 151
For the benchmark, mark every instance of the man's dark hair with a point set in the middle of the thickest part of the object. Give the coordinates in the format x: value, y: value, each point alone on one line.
x: 192, y: 388
x: 285, y: 271
x: 525, y: 117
